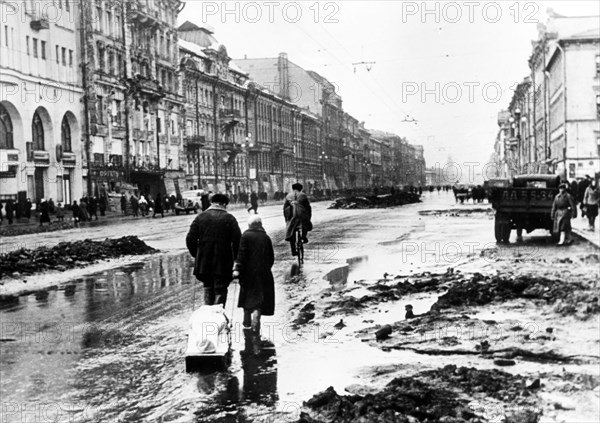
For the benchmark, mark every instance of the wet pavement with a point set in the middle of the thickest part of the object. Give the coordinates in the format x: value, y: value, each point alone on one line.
x: 109, y: 346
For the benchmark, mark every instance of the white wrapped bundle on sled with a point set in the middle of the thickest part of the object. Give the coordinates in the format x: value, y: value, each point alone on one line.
x: 209, y: 337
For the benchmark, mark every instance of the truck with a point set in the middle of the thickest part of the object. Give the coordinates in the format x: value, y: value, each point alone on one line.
x: 523, y: 203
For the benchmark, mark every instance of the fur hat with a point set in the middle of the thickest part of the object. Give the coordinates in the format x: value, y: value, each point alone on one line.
x: 564, y: 186
x: 297, y: 186
x: 220, y: 199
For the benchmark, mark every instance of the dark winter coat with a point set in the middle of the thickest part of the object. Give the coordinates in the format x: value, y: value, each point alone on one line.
x: 563, y: 209
x: 253, y: 199
x: 10, y: 208
x: 158, y: 204
x: 44, y: 215
x: 296, y: 211
x: 205, y: 202
x: 213, y: 240
x: 254, y: 261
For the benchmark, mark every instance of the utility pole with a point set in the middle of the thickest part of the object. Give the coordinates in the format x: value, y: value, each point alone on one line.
x: 126, y: 95
x: 86, y: 111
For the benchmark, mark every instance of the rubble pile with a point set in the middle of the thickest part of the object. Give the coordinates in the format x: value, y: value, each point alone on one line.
x: 435, y: 395
x: 67, y: 255
x: 375, y: 201
x: 481, y: 290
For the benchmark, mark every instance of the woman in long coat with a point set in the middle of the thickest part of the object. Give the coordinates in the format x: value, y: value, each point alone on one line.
x: 253, y: 266
x: 591, y: 198
x: 563, y: 209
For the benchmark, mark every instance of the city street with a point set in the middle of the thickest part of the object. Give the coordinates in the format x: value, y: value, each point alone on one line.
x: 108, y: 346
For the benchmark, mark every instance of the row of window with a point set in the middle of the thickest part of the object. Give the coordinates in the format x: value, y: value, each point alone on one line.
x: 37, y: 132
x: 37, y: 49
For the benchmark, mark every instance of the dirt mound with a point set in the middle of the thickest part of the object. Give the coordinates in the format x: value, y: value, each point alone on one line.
x: 67, y: 255
x: 430, y: 396
x: 371, y: 202
x: 480, y: 290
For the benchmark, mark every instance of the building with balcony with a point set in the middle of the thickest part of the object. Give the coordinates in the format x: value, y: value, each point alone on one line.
x: 216, y: 115
x: 41, y: 111
x: 133, y: 95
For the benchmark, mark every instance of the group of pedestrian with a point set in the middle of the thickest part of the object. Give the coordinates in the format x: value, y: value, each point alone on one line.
x: 222, y: 253
x: 587, y: 194
x: 144, y: 204
x: 564, y: 207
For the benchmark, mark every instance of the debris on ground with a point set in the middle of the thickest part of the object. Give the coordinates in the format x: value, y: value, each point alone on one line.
x: 434, y: 395
x: 375, y: 201
x: 68, y: 255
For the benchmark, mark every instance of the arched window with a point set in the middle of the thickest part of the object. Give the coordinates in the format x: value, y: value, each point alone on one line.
x: 65, y: 134
x: 6, y: 129
x: 37, y: 132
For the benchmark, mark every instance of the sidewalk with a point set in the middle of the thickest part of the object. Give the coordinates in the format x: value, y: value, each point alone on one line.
x: 33, y: 225
x: 580, y: 227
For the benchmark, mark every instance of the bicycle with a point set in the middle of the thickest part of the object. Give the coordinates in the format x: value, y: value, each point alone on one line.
x: 299, y: 245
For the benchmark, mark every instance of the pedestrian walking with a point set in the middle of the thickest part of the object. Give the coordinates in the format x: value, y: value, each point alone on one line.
x: 28, y: 206
x: 143, y: 204
x: 158, y: 206
x: 591, y: 198
x: 213, y: 240
x: 123, y: 204
x: 76, y: 213
x: 60, y: 212
x: 102, y: 205
x: 1, y: 207
x: 204, y: 201
x: 44, y: 212
x: 10, y: 208
x: 51, y: 206
x: 134, y: 205
x: 93, y: 207
x: 83, y: 210
x: 563, y: 209
x: 253, y: 202
x: 253, y: 265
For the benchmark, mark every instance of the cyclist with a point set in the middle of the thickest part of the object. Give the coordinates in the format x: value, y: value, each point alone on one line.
x: 297, y: 213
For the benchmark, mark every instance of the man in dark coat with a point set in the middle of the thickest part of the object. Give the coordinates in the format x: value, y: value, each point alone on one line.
x: 44, y: 212
x: 213, y: 240
x: 253, y: 267
x: 297, y: 213
x: 10, y: 208
x: 76, y: 213
x: 123, y: 204
x: 28, y: 206
x: 205, y: 201
x: 158, y: 206
x: 93, y: 207
x: 253, y: 202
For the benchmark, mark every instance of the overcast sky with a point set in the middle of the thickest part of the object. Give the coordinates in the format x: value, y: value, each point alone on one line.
x: 451, y: 69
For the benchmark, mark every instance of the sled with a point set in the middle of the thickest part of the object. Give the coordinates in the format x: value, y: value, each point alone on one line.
x: 209, y: 339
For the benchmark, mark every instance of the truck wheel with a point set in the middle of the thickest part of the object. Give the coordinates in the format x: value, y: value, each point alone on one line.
x: 501, y: 229
x: 506, y: 232
x: 498, y: 230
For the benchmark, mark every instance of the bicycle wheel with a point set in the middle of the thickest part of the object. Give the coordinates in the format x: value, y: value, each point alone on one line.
x: 299, y: 247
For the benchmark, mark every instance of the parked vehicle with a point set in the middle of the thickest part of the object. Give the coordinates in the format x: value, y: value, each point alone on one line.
x: 190, y: 202
x: 524, y: 203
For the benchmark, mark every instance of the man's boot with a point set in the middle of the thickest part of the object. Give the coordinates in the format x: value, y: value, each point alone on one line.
x: 209, y: 296
x: 220, y: 296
